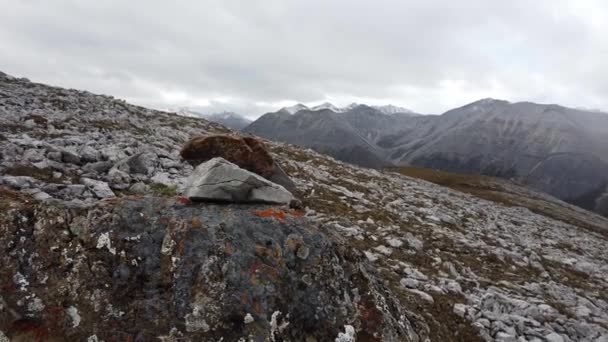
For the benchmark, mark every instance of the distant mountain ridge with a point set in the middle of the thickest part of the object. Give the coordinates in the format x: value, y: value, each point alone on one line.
x: 229, y: 119
x: 385, y: 109
x: 559, y: 150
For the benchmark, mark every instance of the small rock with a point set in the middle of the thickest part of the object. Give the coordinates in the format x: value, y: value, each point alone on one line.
x: 139, y: 188
x: 17, y: 182
x: 69, y: 157
x: 248, y: 319
x: 89, y: 154
x: 502, y: 336
x: 554, y: 337
x: 409, y: 283
x: 460, y: 309
x: 99, y: 188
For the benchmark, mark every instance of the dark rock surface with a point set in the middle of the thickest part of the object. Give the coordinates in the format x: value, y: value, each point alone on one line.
x: 139, y: 269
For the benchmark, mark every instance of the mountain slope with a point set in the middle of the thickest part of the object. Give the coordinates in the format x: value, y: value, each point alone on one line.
x: 428, y: 261
x: 325, y: 131
x: 554, y: 149
x: 350, y: 135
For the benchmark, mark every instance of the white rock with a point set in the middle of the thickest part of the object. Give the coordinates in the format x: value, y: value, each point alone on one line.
x: 74, y: 316
x: 384, y: 250
x: 502, y: 336
x: 409, y: 283
x: 248, y: 318
x: 221, y: 180
x: 395, y: 243
x: 348, y: 335
x: 554, y: 337
x: 460, y: 309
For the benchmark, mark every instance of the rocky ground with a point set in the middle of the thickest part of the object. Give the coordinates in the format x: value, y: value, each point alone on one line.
x: 387, y: 257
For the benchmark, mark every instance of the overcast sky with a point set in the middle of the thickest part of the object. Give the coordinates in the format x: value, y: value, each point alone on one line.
x: 256, y: 56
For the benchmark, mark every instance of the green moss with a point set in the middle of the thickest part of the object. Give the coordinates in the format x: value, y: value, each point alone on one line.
x: 163, y: 190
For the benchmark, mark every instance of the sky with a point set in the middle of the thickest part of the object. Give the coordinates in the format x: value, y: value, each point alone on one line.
x: 254, y: 57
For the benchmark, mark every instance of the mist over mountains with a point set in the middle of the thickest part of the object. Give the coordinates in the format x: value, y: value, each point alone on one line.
x: 559, y: 150
x: 231, y: 120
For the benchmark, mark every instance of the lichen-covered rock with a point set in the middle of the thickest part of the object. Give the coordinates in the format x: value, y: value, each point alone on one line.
x: 143, y: 269
x: 221, y: 180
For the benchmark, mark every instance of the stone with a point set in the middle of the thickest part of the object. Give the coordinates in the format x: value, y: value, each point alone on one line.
x: 460, y: 310
x: 502, y: 336
x: 17, y: 182
x: 143, y: 163
x: 41, y: 196
x: 98, y: 188
x: 54, y: 155
x: 89, y: 154
x: 413, y: 242
x: 221, y: 180
x: 69, y: 157
x: 554, y: 337
x: 98, y: 167
x: 246, y: 152
x: 139, y: 188
x: 409, y: 283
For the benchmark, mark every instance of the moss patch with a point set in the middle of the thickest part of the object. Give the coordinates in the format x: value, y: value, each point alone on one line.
x: 163, y: 190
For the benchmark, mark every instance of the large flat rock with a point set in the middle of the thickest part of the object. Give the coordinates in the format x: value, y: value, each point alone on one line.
x: 221, y: 180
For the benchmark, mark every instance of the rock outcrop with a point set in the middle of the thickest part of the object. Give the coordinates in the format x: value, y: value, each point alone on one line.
x: 144, y: 269
x: 246, y: 152
x: 221, y: 180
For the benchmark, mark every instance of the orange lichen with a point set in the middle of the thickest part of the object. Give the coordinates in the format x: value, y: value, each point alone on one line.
x: 183, y: 200
x: 277, y: 214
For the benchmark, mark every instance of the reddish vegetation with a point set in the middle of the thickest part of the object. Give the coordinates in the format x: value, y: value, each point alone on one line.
x: 183, y: 200
x: 277, y: 214
x: 25, y: 326
x: 246, y: 152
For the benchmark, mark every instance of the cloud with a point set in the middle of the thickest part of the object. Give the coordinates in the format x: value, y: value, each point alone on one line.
x: 250, y: 56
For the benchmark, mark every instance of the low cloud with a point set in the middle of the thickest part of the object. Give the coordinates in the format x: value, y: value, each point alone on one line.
x: 251, y: 56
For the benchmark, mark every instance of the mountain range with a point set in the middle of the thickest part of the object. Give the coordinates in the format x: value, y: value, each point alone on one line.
x: 231, y: 120
x: 386, y: 109
x: 559, y: 150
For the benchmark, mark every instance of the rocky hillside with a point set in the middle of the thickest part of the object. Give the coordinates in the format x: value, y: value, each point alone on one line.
x: 554, y: 149
x: 96, y: 244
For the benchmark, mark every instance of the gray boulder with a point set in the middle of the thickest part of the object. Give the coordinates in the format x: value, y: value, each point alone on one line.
x: 144, y: 163
x: 99, y: 188
x: 221, y: 180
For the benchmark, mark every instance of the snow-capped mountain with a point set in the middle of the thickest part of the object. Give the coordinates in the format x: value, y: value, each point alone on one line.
x: 386, y: 109
x: 229, y: 119
x: 294, y: 109
x: 390, y: 109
